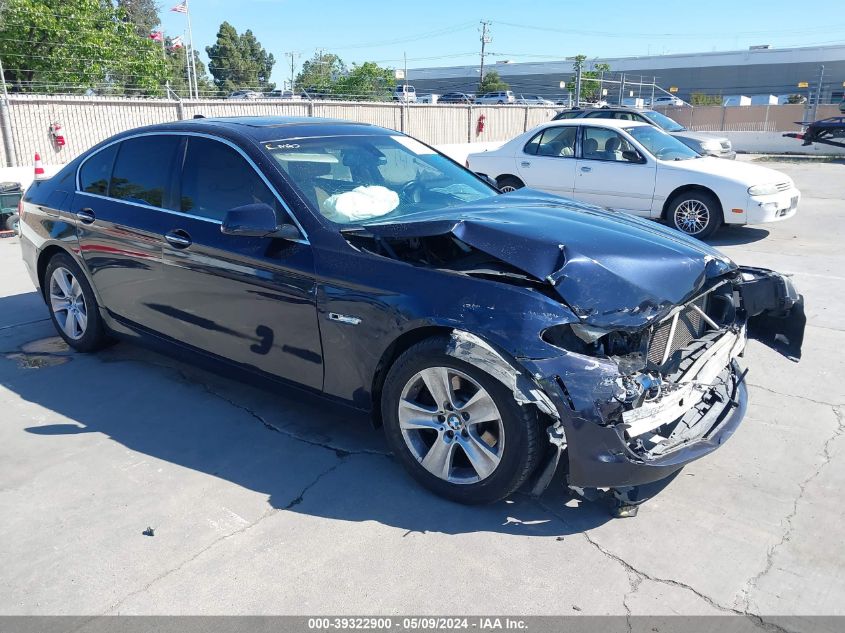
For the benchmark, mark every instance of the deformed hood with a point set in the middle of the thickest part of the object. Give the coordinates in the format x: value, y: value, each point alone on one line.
x: 612, y: 269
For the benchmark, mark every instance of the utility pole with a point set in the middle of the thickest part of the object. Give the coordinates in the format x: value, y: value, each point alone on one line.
x: 293, y: 56
x: 486, y: 38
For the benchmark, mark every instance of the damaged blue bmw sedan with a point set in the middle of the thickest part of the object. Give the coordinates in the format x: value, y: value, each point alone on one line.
x: 497, y: 338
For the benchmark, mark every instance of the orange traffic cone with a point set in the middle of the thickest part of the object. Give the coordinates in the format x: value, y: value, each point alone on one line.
x: 39, y: 168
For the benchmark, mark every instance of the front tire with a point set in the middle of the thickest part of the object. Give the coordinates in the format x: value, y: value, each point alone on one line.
x: 509, y: 183
x: 456, y: 429
x: 696, y: 213
x: 73, y: 307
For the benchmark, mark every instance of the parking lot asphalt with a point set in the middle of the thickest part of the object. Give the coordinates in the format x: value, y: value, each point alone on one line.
x: 268, y: 503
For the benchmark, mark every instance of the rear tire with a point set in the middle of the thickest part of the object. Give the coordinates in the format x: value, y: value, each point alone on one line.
x: 696, y: 213
x: 73, y: 306
x: 507, y: 184
x: 478, y: 446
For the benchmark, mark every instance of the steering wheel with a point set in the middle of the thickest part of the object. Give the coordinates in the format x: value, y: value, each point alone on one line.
x: 411, y: 192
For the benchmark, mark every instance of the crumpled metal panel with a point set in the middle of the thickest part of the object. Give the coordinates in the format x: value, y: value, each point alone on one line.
x: 614, y: 270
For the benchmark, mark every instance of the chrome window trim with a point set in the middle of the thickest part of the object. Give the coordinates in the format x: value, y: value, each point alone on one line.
x: 303, y: 240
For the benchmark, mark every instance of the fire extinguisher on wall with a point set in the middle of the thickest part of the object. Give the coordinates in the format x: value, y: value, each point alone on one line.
x: 479, y: 127
x: 58, y: 135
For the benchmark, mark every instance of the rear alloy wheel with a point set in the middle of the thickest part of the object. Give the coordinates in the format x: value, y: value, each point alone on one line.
x: 509, y: 183
x: 695, y: 213
x: 73, y: 307
x: 457, y: 429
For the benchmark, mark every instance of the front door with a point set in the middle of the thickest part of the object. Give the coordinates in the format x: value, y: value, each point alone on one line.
x: 248, y: 299
x: 605, y: 175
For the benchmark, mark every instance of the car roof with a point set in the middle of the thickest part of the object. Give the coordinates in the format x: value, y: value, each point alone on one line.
x: 264, y: 128
x: 615, y: 123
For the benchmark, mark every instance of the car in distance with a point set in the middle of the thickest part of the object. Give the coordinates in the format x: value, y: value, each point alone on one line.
x: 285, y: 95
x: 491, y: 335
x: 456, y: 97
x: 499, y: 98
x: 533, y: 100
x: 405, y: 94
x: 250, y: 95
x: 638, y: 168
x: 702, y: 142
x: 665, y: 100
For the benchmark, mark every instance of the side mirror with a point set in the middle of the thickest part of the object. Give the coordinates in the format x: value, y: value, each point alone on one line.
x: 632, y: 156
x: 257, y: 220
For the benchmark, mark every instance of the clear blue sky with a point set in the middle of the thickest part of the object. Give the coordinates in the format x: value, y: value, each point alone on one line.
x: 446, y: 32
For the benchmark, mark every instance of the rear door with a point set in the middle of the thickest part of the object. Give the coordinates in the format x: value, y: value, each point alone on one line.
x: 251, y: 300
x: 605, y: 177
x: 547, y: 162
x: 124, y: 193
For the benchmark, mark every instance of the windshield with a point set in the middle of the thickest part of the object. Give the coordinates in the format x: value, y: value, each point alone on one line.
x: 353, y: 179
x: 664, y: 121
x: 660, y: 144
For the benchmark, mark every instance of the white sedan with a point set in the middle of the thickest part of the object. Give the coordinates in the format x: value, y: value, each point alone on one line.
x: 635, y: 167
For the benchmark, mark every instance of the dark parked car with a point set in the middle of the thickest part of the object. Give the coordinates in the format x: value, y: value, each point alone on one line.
x: 456, y: 97
x: 705, y: 143
x: 491, y: 334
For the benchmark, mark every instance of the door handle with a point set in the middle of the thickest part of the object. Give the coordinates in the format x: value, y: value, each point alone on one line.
x: 586, y: 169
x: 178, y: 238
x: 86, y: 215
x: 525, y: 163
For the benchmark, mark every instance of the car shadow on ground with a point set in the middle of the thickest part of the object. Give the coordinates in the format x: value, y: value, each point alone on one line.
x: 730, y: 235
x: 265, y: 442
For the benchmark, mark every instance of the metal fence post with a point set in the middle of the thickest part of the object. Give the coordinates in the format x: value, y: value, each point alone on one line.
x: 525, y: 122
x: 469, y: 123
x: 8, y: 139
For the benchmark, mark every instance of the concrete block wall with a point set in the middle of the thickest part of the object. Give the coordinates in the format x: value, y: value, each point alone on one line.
x: 89, y: 120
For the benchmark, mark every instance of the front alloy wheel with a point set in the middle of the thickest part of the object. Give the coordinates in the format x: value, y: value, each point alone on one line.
x: 451, y: 425
x: 456, y: 429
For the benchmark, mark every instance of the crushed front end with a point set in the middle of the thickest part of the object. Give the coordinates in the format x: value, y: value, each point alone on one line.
x: 635, y: 406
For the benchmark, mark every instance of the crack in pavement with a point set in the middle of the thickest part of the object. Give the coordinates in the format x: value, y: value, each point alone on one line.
x: 633, y: 571
x: 787, y: 534
x: 635, y: 582
x: 269, y: 513
x: 14, y: 325
x: 282, y: 430
x: 792, y: 395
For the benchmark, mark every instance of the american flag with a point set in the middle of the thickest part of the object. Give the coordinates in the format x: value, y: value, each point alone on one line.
x: 182, y: 7
x: 157, y: 36
x: 176, y: 42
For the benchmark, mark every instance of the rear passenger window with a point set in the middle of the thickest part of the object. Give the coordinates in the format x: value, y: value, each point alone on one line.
x: 144, y: 169
x: 216, y: 178
x: 95, y: 172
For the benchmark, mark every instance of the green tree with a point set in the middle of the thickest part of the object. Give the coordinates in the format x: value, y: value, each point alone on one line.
x: 239, y: 62
x: 491, y: 82
x: 590, y: 89
x: 704, y: 99
x: 76, y: 46
x: 319, y: 73
x: 365, y: 82
x: 142, y: 14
